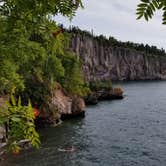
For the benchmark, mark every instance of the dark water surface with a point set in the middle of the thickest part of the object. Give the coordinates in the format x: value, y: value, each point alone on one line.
x: 128, y: 132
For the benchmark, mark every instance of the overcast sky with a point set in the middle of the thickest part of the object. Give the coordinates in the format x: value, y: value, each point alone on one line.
x: 117, y: 18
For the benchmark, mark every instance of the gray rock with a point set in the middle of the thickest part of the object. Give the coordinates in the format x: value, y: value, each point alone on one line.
x: 62, y: 106
x: 105, y: 62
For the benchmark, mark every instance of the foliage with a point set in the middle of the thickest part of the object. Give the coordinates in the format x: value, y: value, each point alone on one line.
x: 31, y: 53
x: 9, y: 77
x: 147, y: 8
x: 29, y: 43
x: 73, y: 80
x: 20, y: 120
x: 39, y: 8
x: 100, y: 85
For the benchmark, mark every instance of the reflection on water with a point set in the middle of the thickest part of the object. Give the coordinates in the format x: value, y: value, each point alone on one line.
x: 128, y: 132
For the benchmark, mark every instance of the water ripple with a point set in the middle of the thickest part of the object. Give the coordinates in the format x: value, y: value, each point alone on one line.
x: 129, y: 132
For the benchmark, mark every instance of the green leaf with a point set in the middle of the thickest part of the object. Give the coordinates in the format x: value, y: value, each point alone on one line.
x: 139, y: 16
x: 141, y: 9
x: 19, y: 102
x: 164, y: 22
x: 142, y: 5
x: 155, y: 3
x: 152, y: 7
x: 30, y: 124
x: 149, y: 12
x: 13, y: 100
x: 15, y: 119
x: 160, y: 6
x: 146, y: 16
x: 145, y: 1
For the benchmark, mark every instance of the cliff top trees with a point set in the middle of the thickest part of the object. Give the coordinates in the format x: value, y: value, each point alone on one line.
x: 146, y: 9
x: 148, y: 50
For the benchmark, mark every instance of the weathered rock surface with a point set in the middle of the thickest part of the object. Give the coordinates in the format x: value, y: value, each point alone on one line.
x: 104, y: 62
x: 95, y: 96
x: 62, y: 106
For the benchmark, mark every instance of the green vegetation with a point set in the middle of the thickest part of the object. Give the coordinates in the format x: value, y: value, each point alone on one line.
x: 33, y: 60
x: 147, y: 8
x: 100, y: 85
x: 111, y: 41
x: 20, y: 120
x: 30, y: 46
x: 73, y: 78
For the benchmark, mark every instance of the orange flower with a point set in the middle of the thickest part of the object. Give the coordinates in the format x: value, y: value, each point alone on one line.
x: 36, y: 112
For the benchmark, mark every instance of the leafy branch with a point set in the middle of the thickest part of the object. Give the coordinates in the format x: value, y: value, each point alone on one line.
x: 20, y: 120
x: 147, y: 8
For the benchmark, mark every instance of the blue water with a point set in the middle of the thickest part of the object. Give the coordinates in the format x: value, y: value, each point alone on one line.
x: 128, y: 132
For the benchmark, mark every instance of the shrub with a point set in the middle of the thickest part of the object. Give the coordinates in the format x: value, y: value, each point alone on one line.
x: 20, y: 121
x: 100, y: 85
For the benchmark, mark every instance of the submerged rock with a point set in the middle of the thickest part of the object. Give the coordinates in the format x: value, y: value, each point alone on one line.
x: 115, y: 93
x: 91, y: 99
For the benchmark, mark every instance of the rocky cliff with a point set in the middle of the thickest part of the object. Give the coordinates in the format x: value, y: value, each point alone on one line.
x: 101, y: 61
x: 61, y: 105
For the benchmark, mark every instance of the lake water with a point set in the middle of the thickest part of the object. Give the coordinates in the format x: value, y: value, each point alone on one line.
x: 128, y: 132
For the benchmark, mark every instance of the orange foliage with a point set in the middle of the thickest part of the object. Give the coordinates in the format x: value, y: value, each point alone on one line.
x: 55, y: 34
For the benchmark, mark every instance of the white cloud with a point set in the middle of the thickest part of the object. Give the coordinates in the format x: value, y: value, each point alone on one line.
x: 118, y: 19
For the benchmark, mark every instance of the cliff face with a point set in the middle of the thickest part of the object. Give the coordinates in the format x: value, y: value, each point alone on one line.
x: 104, y: 62
x: 60, y: 105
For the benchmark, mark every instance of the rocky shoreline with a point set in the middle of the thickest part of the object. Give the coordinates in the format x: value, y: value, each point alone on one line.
x: 96, y: 96
x: 63, y: 106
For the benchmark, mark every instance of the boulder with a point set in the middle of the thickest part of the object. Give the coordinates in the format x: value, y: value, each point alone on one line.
x: 78, y: 105
x: 94, y: 97
x: 61, y: 105
x: 91, y: 99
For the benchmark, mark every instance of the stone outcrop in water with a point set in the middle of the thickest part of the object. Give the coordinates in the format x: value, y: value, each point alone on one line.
x: 95, y: 96
x: 61, y: 106
x: 101, y: 61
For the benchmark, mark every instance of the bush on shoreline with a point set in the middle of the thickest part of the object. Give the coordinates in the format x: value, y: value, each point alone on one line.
x: 31, y: 51
x: 19, y: 121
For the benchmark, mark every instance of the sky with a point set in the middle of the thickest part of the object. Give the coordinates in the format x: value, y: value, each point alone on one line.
x: 117, y: 18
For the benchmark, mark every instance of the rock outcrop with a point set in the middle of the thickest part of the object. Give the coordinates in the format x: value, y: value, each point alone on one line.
x: 95, y: 96
x: 101, y: 61
x: 61, y: 106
